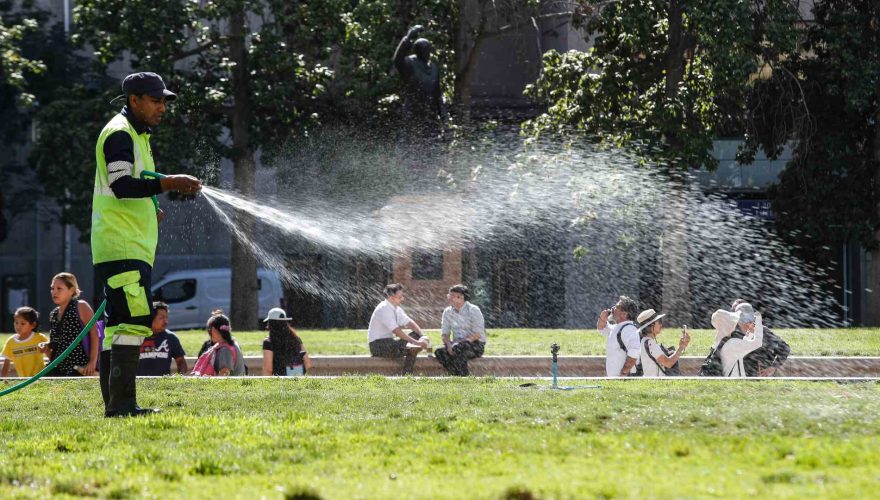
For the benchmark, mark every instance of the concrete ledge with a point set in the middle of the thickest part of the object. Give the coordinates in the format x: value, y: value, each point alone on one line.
x: 570, y: 366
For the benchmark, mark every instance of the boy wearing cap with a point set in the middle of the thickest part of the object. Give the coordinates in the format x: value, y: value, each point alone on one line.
x: 125, y: 233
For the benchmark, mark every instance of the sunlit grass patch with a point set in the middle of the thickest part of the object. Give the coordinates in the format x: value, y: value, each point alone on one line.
x: 373, y: 437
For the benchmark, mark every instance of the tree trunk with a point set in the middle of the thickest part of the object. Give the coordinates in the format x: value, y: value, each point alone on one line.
x: 467, y: 54
x: 244, y: 305
x: 676, y: 273
x: 873, y: 284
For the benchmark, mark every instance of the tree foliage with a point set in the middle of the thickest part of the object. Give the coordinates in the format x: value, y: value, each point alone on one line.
x: 825, y: 96
x: 15, y: 66
x: 664, y: 76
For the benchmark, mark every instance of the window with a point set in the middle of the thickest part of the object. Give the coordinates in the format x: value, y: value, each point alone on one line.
x: 427, y: 265
x: 176, y: 291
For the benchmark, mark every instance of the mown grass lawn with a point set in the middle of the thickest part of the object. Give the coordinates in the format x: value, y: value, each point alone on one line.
x: 372, y: 437
x: 803, y: 342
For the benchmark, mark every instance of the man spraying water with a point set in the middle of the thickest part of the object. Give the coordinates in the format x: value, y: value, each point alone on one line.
x: 125, y: 232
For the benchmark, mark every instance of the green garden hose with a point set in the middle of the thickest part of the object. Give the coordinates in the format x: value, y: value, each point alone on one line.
x: 155, y: 175
x: 82, y: 334
x: 63, y: 355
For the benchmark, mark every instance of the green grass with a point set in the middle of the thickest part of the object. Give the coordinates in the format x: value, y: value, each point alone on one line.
x: 804, y: 342
x: 374, y: 437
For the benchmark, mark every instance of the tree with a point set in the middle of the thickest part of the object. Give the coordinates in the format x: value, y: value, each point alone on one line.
x: 16, y: 70
x: 15, y: 66
x: 230, y: 63
x: 265, y: 71
x: 665, y: 78
x: 824, y: 97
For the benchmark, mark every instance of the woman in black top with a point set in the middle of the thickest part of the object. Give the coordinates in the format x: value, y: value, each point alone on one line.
x: 65, y: 323
x: 283, y: 351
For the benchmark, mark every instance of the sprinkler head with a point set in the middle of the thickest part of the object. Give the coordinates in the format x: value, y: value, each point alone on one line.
x: 554, y: 349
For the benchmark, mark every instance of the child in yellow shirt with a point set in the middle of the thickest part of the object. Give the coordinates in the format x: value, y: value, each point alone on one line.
x: 23, y: 349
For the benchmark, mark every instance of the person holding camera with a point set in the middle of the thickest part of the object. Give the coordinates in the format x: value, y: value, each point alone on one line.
x: 463, y: 331
x: 658, y: 360
x: 622, y: 348
x: 774, y: 351
x: 733, y: 350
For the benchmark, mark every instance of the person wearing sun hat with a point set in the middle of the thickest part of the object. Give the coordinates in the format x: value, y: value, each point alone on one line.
x: 774, y: 351
x: 284, y: 353
x: 734, y: 349
x: 658, y: 360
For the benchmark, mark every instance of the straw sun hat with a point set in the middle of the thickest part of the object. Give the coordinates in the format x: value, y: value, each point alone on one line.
x: 647, y: 318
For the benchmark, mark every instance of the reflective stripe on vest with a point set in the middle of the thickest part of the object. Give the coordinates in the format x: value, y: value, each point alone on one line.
x: 123, y: 229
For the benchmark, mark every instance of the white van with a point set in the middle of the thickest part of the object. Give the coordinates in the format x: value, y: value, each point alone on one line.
x: 193, y: 294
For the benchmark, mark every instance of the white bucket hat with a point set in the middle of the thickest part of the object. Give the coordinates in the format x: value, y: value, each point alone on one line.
x: 725, y: 321
x: 648, y: 317
x: 276, y: 313
x: 746, y: 312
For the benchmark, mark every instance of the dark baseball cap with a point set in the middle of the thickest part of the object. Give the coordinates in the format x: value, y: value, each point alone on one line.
x: 146, y: 83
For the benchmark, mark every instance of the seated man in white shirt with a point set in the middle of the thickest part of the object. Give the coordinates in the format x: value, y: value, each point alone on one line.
x: 387, y: 322
x: 463, y: 330
x: 622, y: 348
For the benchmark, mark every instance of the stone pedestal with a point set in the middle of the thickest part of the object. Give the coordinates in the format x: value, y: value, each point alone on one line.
x: 427, y: 241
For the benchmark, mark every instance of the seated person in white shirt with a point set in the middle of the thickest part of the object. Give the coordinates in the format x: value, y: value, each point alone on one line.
x: 734, y: 349
x: 387, y: 322
x: 622, y: 348
x: 464, y: 323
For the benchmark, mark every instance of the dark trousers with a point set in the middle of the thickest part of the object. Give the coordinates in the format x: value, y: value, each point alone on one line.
x: 457, y: 363
x: 396, y: 348
x: 117, y: 310
x: 119, y: 364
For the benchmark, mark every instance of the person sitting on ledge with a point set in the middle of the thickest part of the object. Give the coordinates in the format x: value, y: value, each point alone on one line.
x: 387, y: 322
x: 464, y: 322
x: 284, y: 353
x: 225, y: 357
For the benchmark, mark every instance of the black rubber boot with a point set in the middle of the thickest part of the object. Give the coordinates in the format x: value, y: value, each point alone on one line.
x: 123, y: 377
x: 104, y: 378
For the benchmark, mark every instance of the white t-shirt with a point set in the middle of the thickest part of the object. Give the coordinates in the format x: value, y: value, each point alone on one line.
x: 615, y: 358
x: 734, y: 350
x: 650, y: 368
x: 385, y: 319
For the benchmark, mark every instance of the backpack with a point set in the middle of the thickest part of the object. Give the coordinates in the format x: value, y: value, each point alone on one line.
x: 205, y: 364
x: 712, y: 366
x: 773, y: 352
x: 674, y: 371
x: 639, y: 372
